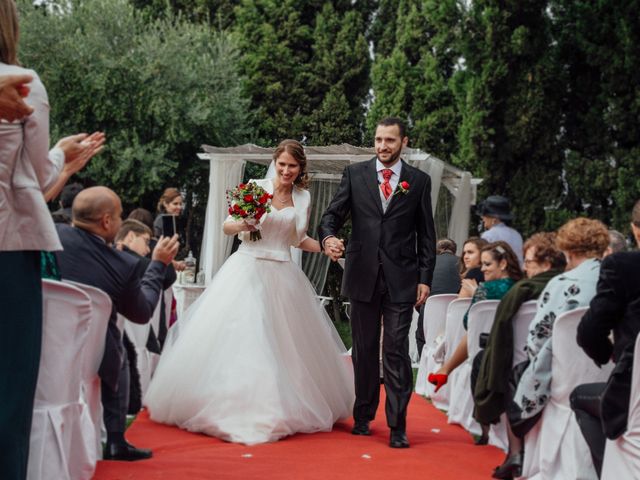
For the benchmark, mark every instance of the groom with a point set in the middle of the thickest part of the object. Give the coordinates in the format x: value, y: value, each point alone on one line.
x: 389, y: 266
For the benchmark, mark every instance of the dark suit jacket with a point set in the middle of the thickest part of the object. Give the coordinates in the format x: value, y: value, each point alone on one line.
x: 615, y: 307
x: 446, y: 274
x: 400, y: 240
x: 88, y: 259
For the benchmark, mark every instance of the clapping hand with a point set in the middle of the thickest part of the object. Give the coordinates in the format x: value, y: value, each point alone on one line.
x: 12, y: 90
x: 333, y: 248
x: 79, y: 149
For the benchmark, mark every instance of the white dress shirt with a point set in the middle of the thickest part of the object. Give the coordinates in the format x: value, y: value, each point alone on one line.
x: 27, y: 169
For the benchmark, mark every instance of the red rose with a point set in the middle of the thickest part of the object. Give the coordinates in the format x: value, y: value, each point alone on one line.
x: 259, y: 215
x: 248, y: 198
x: 405, y: 185
x: 242, y: 213
x: 242, y: 186
x: 230, y: 211
x: 263, y: 199
x: 236, y: 208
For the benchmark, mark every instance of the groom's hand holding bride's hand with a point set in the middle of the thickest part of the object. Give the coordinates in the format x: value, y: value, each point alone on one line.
x: 333, y: 248
x: 422, y: 294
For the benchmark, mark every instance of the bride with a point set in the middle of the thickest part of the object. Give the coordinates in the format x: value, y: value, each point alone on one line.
x: 257, y: 357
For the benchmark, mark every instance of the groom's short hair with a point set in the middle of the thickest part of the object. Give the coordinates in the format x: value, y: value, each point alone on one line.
x: 390, y: 121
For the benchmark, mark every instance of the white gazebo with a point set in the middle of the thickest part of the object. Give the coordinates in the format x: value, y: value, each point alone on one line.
x: 453, y: 192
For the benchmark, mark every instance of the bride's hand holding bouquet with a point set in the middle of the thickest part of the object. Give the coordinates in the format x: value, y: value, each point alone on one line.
x: 248, y: 203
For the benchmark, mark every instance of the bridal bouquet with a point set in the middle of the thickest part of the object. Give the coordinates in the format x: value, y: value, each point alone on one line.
x: 249, y: 202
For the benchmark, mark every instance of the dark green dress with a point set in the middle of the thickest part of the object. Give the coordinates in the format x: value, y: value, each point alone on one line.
x: 490, y: 290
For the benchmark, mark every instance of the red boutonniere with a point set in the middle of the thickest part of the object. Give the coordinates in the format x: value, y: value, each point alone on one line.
x: 402, y: 188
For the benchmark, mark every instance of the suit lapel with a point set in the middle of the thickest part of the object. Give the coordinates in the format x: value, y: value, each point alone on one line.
x: 371, y: 181
x: 405, y: 175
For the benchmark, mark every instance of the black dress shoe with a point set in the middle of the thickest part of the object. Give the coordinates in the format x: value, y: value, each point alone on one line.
x: 510, y: 468
x: 398, y: 439
x: 361, y: 428
x: 125, y: 452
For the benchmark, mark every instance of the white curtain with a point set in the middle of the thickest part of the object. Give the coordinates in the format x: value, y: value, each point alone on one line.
x: 460, y: 214
x: 216, y: 246
x: 434, y: 168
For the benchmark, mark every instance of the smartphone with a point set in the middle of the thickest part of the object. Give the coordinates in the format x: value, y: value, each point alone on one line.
x: 168, y: 225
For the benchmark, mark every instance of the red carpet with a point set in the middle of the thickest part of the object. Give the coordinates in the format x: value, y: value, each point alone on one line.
x: 445, y: 454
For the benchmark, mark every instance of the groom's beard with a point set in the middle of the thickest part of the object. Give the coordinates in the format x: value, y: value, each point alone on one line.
x: 392, y: 159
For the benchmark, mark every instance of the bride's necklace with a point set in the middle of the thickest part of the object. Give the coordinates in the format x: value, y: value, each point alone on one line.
x: 287, y: 199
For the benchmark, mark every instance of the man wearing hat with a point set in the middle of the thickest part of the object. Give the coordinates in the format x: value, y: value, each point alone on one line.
x: 494, y: 211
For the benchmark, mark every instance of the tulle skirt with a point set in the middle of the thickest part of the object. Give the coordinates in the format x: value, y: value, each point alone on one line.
x: 255, y: 359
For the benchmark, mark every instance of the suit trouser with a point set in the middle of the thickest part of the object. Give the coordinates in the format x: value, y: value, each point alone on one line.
x: 20, y: 345
x: 585, y: 402
x: 396, y: 364
x: 420, y: 340
x: 116, y: 402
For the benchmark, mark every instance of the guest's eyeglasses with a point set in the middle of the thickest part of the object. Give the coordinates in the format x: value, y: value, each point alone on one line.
x: 527, y: 261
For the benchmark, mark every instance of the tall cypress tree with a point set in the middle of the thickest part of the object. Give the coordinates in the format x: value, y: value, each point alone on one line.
x: 412, y: 78
x: 303, y: 60
x: 598, y: 44
x: 510, y: 92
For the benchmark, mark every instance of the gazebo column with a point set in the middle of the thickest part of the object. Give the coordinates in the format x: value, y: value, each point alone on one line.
x: 225, y: 173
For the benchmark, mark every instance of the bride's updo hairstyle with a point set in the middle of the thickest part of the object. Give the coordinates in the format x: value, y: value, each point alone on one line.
x: 296, y: 150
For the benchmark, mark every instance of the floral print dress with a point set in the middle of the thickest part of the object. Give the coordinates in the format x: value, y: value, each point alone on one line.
x: 563, y: 293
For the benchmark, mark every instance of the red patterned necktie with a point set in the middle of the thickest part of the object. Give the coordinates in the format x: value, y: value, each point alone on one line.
x: 386, y: 186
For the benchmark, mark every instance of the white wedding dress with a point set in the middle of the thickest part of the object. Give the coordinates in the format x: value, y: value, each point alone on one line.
x: 256, y: 357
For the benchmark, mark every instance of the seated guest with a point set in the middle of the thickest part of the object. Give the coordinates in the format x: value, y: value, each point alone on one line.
x: 615, y: 308
x: 492, y: 366
x: 470, y: 265
x: 501, y: 271
x: 145, y: 216
x: 583, y: 241
x: 88, y: 258
x: 134, y: 238
x: 67, y: 196
x: 617, y: 243
x: 446, y: 279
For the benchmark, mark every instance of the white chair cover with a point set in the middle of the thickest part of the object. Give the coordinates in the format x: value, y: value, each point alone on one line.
x: 57, y: 407
x: 453, y: 334
x: 435, y: 319
x: 139, y: 334
x: 563, y: 450
x: 479, y: 321
x: 622, y: 456
x: 520, y: 322
x: 88, y: 449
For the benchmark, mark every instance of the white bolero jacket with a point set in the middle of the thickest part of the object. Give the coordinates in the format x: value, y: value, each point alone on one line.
x: 27, y: 169
x: 301, y: 203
